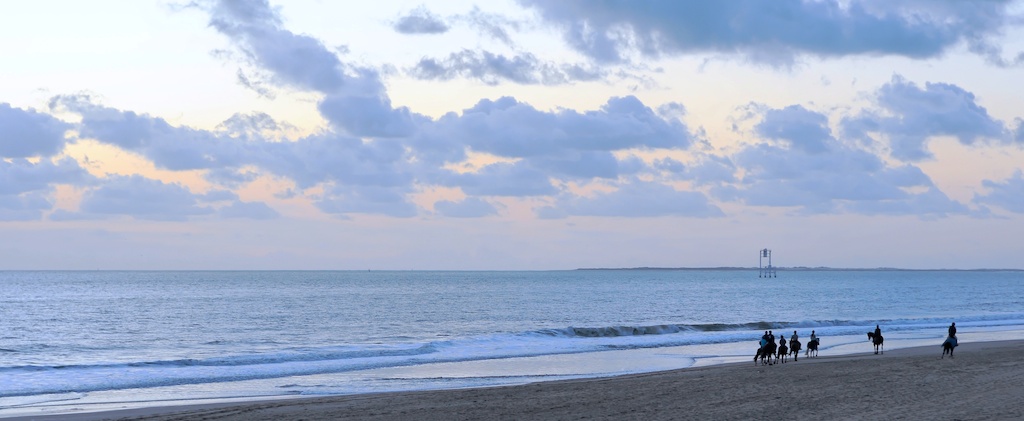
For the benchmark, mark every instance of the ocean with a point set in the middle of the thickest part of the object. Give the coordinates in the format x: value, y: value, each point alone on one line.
x: 98, y: 340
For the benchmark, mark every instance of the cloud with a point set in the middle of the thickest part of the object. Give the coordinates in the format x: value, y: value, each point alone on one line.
x: 367, y: 115
x: 928, y: 204
x: 910, y: 116
x: 583, y: 165
x: 19, y: 176
x: 704, y: 170
x: 24, y: 207
x: 251, y: 126
x: 562, y: 143
x: 634, y: 199
x: 492, y: 69
x: 308, y: 161
x: 801, y: 128
x: 773, y: 32
x: 548, y: 146
x: 347, y: 199
x: 420, y: 21
x: 839, y: 178
x: 1007, y: 194
x: 505, y: 179
x: 142, y: 198
x: 471, y: 207
x: 355, y: 98
x: 27, y: 133
x: 374, y: 157
x: 27, y: 186
x: 489, y: 24
x: 508, y: 128
x: 297, y: 60
x: 318, y: 159
x: 169, y: 147
x: 250, y: 210
x: 328, y: 158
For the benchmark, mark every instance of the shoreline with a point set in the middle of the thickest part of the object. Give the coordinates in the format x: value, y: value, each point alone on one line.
x: 982, y: 382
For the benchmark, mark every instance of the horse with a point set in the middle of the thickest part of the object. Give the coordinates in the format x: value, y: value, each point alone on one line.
x: 783, y: 352
x: 794, y: 346
x: 812, y: 347
x: 948, y: 345
x: 877, y: 340
x: 769, y: 352
x: 765, y: 354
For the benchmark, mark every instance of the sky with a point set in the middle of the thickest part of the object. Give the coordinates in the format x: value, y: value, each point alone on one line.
x: 511, y: 134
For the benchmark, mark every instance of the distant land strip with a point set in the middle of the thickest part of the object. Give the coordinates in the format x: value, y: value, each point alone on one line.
x: 806, y: 268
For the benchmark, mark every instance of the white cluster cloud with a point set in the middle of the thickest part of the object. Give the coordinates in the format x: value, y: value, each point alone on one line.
x: 421, y: 21
x: 493, y: 69
x: 26, y: 186
x: 909, y: 117
x: 1007, y: 194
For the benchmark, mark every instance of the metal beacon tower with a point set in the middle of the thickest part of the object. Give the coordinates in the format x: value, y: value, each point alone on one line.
x: 764, y: 264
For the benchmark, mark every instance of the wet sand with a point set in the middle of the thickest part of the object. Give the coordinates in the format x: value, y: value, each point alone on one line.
x: 984, y: 381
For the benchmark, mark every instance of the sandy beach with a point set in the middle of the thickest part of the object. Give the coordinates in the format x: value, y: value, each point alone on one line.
x: 983, y: 381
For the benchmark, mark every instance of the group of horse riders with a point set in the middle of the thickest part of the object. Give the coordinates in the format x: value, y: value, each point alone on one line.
x: 768, y: 345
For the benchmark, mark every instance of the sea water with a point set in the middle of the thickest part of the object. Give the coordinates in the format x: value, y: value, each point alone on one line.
x: 79, y: 341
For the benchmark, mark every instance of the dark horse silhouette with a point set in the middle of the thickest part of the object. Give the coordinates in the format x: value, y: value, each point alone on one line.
x: 948, y: 345
x: 783, y: 352
x: 877, y: 340
x: 765, y: 353
x: 812, y: 348
x: 794, y: 347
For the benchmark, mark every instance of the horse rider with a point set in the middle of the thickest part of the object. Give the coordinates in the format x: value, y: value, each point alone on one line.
x: 813, y: 342
x: 952, y: 330
x: 878, y: 331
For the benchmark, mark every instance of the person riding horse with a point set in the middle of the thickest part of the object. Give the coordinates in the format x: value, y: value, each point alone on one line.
x: 794, y: 346
x: 876, y: 338
x: 950, y: 342
x: 767, y: 348
x: 783, y: 351
x: 812, y: 345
